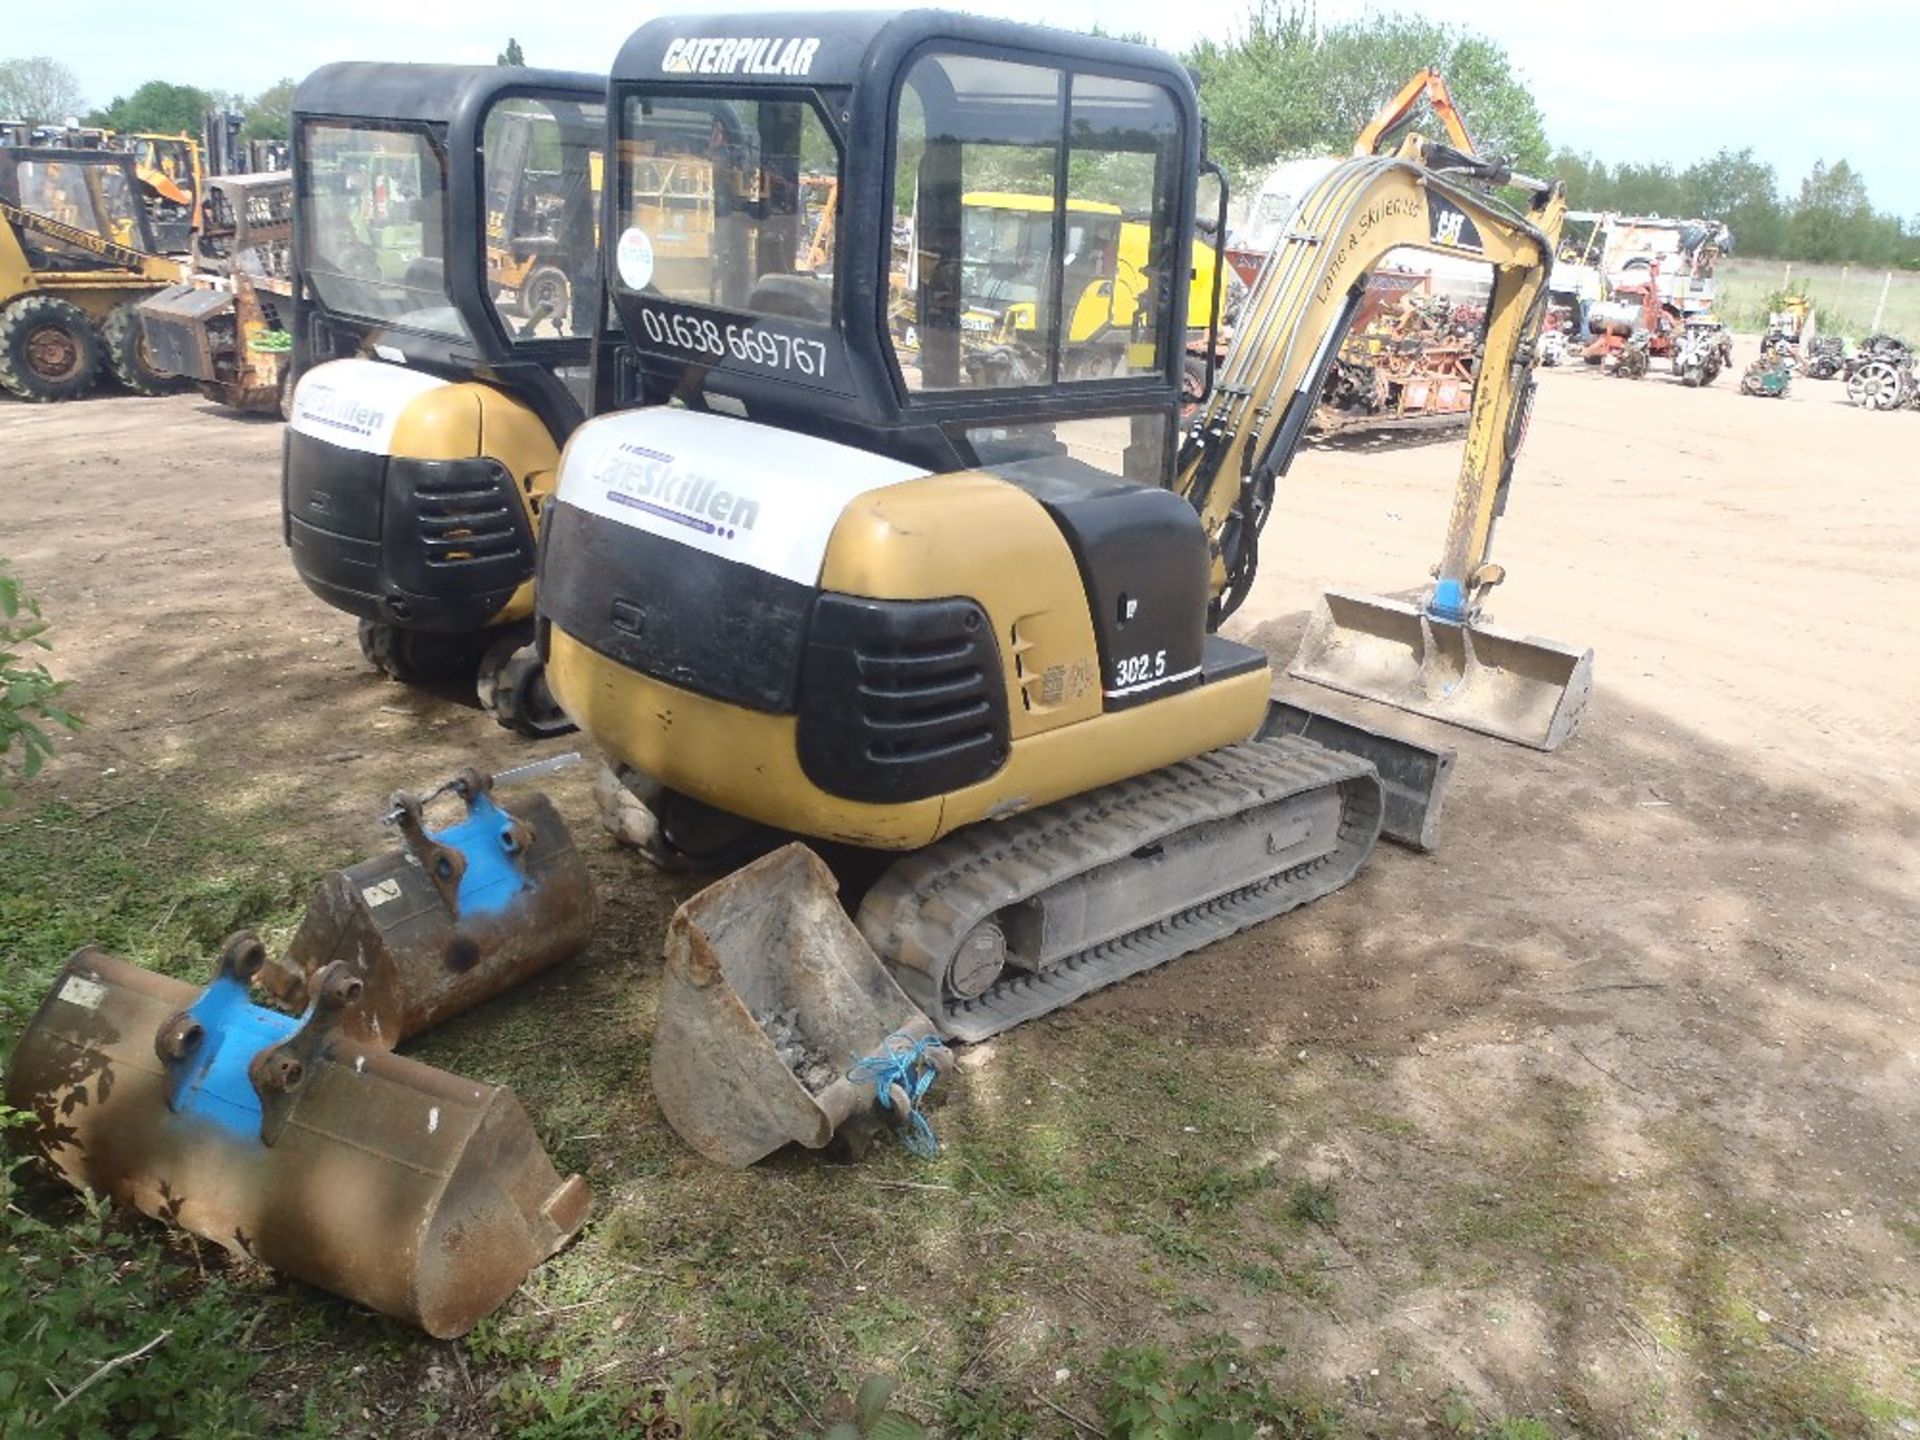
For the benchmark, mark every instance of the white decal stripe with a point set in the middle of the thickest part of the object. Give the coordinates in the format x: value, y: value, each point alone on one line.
x: 1150, y: 684
x: 356, y: 404
x: 762, y: 497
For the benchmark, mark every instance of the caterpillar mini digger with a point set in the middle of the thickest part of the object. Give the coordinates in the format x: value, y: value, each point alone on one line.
x: 794, y: 578
x: 431, y: 405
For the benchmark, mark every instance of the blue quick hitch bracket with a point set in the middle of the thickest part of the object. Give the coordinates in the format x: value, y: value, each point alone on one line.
x: 479, y: 864
x: 237, y: 1066
x: 1449, y: 602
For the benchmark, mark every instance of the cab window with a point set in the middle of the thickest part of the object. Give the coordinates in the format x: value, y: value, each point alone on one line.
x: 372, y: 217
x: 1034, y: 212
x: 542, y: 178
x: 725, y: 202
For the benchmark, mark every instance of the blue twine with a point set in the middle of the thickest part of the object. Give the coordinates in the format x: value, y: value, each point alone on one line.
x: 905, y: 1063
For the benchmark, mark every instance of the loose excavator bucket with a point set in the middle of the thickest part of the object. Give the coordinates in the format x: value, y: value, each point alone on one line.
x: 770, y: 998
x: 412, y: 1191
x: 1519, y: 688
x: 450, y: 918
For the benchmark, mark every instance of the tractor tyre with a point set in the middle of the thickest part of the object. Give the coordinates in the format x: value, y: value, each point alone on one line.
x: 546, y: 289
x: 49, y: 349
x: 128, y: 355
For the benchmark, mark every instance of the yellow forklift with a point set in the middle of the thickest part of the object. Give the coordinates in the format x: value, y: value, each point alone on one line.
x: 799, y: 580
x: 430, y: 403
x: 76, y: 259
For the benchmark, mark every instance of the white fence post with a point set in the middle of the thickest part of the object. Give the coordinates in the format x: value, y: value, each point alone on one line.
x: 1881, y: 309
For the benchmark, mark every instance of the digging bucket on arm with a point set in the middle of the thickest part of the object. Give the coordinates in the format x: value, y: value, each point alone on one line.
x: 1519, y: 688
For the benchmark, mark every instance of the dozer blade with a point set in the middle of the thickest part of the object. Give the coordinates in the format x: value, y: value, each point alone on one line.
x: 1519, y: 688
x: 450, y: 918
x: 412, y: 1191
x: 1413, y: 777
x: 770, y: 995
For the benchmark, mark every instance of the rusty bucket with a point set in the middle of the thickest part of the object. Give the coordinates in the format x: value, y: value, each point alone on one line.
x: 450, y: 918
x: 1516, y: 687
x: 771, y: 1008
x: 411, y: 1191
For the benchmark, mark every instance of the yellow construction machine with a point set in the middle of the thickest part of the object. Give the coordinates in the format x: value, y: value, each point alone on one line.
x: 798, y: 580
x: 228, y: 327
x: 431, y: 403
x: 76, y: 259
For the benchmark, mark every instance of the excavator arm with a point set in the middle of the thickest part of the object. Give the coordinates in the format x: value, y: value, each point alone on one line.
x: 1296, y: 315
x: 1427, y: 82
x: 1435, y: 659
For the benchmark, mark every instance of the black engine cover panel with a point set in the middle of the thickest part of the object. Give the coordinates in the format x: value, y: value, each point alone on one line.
x: 694, y: 621
x: 1143, y: 559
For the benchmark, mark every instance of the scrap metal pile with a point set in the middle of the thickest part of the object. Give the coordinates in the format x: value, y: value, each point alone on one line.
x: 1880, y: 375
x: 1411, y: 360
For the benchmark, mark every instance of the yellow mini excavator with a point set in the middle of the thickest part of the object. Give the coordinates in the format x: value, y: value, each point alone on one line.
x: 430, y: 403
x: 796, y: 577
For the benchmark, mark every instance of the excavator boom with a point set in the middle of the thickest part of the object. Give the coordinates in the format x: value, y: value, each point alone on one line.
x: 1434, y: 659
x: 1426, y: 82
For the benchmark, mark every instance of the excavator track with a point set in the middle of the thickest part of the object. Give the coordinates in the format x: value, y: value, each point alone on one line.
x: 1084, y: 893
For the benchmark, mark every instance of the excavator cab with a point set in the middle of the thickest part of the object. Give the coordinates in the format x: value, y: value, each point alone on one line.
x: 719, y: 301
x: 436, y: 383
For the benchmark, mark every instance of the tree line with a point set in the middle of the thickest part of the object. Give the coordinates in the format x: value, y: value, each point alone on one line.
x: 1289, y: 86
x: 1286, y: 86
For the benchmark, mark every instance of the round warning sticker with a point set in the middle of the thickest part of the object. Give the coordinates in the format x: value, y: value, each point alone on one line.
x: 635, y: 259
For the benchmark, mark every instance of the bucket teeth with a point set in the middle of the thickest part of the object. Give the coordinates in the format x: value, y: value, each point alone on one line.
x: 412, y: 1191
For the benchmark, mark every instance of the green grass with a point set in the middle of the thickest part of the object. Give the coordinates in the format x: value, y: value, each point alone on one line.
x: 153, y: 879
x: 1102, y: 1186
x: 1846, y: 296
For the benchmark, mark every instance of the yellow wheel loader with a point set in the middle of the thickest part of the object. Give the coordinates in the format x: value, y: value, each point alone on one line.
x: 430, y: 406
x: 799, y: 579
x: 76, y: 258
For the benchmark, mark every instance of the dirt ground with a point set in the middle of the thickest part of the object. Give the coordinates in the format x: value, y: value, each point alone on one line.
x: 1617, y: 1092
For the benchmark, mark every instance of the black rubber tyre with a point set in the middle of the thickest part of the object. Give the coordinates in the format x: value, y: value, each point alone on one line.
x: 546, y: 288
x: 286, y: 390
x: 49, y: 349
x: 128, y: 356
x: 512, y: 685
x: 416, y: 657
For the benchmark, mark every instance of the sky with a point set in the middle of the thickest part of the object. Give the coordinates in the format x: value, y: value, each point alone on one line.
x: 1793, y: 80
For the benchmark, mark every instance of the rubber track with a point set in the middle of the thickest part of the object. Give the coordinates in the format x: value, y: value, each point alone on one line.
x: 918, y: 913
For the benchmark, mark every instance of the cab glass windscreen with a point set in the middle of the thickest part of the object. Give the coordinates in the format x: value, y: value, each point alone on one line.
x: 372, y: 216
x: 90, y: 195
x: 726, y: 203
x: 542, y: 173
x: 1034, y: 215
